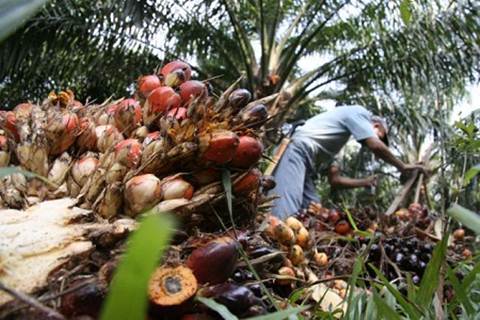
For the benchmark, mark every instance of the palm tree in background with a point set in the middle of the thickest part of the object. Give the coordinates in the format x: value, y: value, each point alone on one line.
x: 93, y: 47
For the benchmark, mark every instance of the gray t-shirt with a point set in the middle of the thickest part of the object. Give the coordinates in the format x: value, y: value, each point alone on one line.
x: 324, y: 135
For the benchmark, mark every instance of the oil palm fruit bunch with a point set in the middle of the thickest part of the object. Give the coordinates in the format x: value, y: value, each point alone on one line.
x: 165, y: 147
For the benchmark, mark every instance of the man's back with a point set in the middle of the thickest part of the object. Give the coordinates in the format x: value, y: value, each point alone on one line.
x: 325, y: 134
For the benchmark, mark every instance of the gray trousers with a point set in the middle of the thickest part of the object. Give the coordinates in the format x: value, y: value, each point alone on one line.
x: 295, y: 178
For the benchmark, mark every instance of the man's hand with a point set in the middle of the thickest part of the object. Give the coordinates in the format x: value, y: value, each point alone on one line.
x: 370, y: 181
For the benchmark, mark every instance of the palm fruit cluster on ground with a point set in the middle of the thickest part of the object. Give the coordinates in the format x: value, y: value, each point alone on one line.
x: 246, y: 269
x: 164, y: 148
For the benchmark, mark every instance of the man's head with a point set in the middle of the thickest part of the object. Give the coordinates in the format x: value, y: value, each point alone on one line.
x: 380, y: 127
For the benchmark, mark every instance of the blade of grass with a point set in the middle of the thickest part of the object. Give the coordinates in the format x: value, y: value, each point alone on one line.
x: 411, y: 290
x: 470, y: 277
x: 227, y: 186
x: 468, y: 218
x: 410, y: 308
x: 14, y: 13
x: 350, y: 219
x: 218, y: 308
x: 384, y: 310
x: 127, y: 298
x: 431, y: 277
x: 371, y: 309
x: 296, y: 295
x: 284, y: 314
x: 461, y: 295
x: 357, y: 268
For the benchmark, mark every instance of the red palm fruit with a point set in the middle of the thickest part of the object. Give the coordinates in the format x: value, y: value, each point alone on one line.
x: 415, y: 210
x: 218, y: 146
x: 160, y: 101
x: 459, y: 234
x: 248, y: 153
x: 239, y: 98
x: 176, y: 188
x: 107, y: 117
x: 23, y: 110
x: 128, y: 115
x: 178, y: 113
x: 107, y: 136
x: 3, y: 143
x: 466, y: 253
x: 141, y: 193
x: 62, y: 132
x: 343, y: 227
x: 189, y: 90
x: 4, y: 154
x: 128, y: 152
x: 147, y: 84
x: 8, y: 122
x: 82, y: 169
x: 271, y: 223
x: 334, y: 215
x: 248, y: 183
x: 176, y: 72
x: 87, y: 140
x: 215, y: 261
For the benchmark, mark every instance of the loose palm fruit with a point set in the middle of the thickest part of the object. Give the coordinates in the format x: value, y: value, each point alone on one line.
x: 172, y: 286
x: 459, y: 234
x: 294, y: 223
x: 296, y: 255
x: 284, y: 234
x: 303, y: 237
x: 343, y: 228
x: 321, y: 259
x: 214, y: 262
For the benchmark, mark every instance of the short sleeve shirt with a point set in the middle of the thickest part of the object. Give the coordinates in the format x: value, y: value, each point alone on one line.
x: 324, y: 135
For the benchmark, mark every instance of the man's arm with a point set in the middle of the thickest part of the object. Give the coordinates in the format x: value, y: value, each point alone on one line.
x: 381, y: 150
x: 337, y: 180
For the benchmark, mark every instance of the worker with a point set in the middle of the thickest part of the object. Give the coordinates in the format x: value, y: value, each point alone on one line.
x: 318, y: 141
